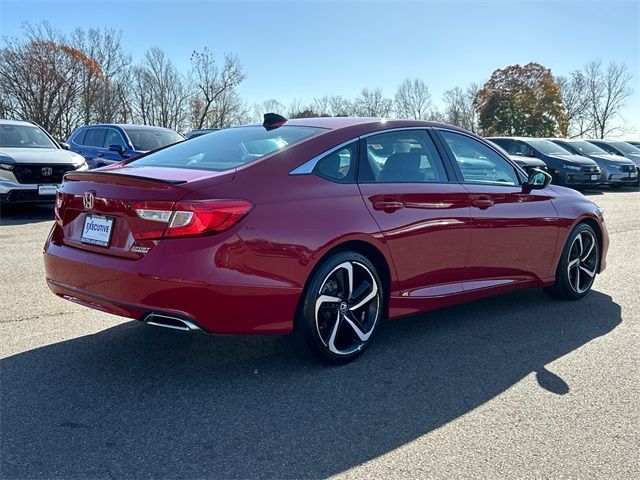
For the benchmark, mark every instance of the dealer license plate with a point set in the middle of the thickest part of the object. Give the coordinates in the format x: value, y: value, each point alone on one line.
x: 97, y: 230
x: 47, y: 189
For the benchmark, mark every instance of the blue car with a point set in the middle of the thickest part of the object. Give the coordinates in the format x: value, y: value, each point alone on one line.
x: 103, y: 145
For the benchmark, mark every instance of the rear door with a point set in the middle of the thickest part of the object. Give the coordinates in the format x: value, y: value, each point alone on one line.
x: 94, y: 146
x: 514, y: 230
x: 423, y: 214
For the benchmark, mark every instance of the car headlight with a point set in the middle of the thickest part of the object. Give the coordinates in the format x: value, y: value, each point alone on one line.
x: 6, y: 166
x: 572, y: 167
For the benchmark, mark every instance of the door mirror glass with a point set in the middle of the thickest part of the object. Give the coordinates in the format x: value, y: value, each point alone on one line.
x: 538, y: 179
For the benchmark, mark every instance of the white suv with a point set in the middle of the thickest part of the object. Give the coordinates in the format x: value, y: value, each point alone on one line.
x: 32, y: 163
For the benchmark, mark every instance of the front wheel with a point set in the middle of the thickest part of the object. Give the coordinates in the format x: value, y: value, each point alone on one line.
x: 341, y: 308
x: 578, y: 265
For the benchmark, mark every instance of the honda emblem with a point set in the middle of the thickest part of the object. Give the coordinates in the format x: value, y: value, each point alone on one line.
x: 47, y: 171
x: 88, y: 200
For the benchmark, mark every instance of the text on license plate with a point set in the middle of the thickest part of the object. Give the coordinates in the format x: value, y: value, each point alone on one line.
x: 595, y: 177
x: 97, y: 230
x: 47, y: 189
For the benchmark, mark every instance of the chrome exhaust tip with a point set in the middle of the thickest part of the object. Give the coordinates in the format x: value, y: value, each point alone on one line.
x: 174, y: 323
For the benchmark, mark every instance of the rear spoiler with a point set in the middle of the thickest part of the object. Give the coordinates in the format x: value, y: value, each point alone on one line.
x: 118, y: 179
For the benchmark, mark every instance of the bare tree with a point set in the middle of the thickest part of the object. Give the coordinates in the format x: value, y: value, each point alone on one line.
x: 340, y: 106
x: 159, y: 94
x: 607, y: 92
x: 413, y: 100
x: 271, y: 105
x: 459, y: 108
x: 214, y: 84
x: 576, y: 103
x: 372, y: 103
x: 39, y: 79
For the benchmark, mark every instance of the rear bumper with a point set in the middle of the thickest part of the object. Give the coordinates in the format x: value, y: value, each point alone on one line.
x: 221, y: 304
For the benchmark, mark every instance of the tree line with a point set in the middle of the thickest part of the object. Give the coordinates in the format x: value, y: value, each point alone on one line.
x: 62, y: 81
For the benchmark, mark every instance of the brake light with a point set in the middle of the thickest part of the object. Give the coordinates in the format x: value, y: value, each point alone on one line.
x: 183, y: 219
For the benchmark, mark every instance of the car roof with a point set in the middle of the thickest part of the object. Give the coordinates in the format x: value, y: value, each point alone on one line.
x: 376, y: 123
x: 126, y: 125
x: 16, y: 122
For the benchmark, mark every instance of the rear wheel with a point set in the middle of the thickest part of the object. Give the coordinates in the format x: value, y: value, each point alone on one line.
x: 341, y: 308
x: 578, y: 265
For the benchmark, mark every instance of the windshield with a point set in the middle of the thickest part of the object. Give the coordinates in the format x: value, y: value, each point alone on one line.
x: 547, y: 147
x: 145, y: 139
x: 228, y: 148
x: 24, y: 136
x: 587, y: 148
x: 626, y: 148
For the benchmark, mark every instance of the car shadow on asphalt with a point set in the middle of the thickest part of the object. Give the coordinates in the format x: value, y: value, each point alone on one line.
x: 25, y: 214
x: 135, y: 401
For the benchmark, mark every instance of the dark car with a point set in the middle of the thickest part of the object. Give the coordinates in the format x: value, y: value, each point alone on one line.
x: 103, y: 145
x: 567, y: 169
x: 199, y: 133
x: 617, y: 147
x: 615, y: 170
x: 295, y: 226
x: 525, y: 162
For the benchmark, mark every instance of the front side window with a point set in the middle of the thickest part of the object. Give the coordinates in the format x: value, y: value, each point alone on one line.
x: 24, y: 136
x: 145, y: 139
x: 227, y: 149
x: 407, y: 156
x: 113, y: 137
x: 478, y: 163
x: 338, y: 166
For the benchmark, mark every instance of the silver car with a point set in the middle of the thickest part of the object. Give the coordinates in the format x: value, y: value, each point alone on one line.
x: 32, y: 163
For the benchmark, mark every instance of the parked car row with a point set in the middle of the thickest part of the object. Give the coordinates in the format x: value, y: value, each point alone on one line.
x: 578, y: 163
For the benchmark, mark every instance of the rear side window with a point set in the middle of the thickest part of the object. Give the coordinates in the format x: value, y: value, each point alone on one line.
x: 229, y: 148
x: 338, y: 166
x: 95, y: 137
x: 407, y: 156
x: 78, y: 138
x: 478, y: 163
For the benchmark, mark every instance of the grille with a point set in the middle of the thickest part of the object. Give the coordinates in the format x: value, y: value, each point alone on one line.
x: 33, y: 173
x: 594, y: 169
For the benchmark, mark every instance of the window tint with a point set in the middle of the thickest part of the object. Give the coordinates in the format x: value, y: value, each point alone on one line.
x: 78, y: 138
x: 95, y: 137
x: 113, y: 137
x: 478, y: 163
x: 228, y: 148
x: 145, y: 139
x: 338, y: 166
x: 403, y: 156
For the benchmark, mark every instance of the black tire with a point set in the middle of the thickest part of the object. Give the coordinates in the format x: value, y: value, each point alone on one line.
x: 340, y: 341
x: 573, y: 282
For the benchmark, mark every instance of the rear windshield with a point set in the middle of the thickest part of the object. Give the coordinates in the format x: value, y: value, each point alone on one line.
x: 228, y: 148
x: 145, y: 139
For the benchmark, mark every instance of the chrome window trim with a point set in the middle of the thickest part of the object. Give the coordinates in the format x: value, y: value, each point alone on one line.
x: 307, y: 167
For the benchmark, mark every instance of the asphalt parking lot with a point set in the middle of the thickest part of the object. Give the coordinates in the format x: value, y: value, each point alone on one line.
x: 514, y: 386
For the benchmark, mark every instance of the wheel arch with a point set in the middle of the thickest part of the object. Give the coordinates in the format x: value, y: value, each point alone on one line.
x: 367, y: 249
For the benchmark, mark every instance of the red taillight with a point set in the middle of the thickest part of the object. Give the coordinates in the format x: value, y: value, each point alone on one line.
x: 189, y: 218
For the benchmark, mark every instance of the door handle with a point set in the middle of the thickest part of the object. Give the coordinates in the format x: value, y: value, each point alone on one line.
x: 388, y: 206
x: 482, y: 202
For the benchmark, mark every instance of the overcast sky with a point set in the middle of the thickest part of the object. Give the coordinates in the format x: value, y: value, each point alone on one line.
x: 306, y: 49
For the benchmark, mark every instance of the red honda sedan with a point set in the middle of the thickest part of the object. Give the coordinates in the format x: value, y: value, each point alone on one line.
x: 322, y: 227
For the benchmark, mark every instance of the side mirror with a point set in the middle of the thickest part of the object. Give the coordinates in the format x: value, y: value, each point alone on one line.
x: 537, y: 180
x: 116, y: 148
x: 64, y: 145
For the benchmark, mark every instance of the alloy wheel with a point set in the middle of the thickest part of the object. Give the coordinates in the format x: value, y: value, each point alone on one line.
x: 347, y: 308
x: 582, y: 263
